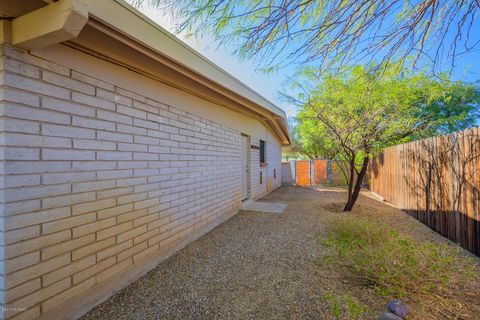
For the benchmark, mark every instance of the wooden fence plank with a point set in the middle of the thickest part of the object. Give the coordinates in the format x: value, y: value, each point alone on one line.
x: 437, y: 181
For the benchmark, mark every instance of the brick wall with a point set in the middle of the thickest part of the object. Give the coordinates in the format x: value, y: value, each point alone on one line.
x: 97, y: 179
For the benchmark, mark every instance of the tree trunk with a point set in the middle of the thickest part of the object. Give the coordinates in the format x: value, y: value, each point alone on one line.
x: 358, y: 186
x: 351, y: 181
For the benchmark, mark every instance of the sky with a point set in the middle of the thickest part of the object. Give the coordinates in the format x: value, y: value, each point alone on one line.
x: 269, y: 85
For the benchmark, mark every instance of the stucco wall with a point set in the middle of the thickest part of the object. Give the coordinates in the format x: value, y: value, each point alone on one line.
x: 101, y: 181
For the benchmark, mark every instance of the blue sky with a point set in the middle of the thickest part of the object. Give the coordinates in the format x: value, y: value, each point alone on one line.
x: 467, y: 66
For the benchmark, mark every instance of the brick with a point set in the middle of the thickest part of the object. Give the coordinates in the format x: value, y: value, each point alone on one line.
x: 132, y: 147
x: 13, y: 153
x: 14, y: 181
x: 36, y: 86
x: 132, y: 251
x: 89, y: 272
x: 67, y: 82
x: 92, y: 248
x: 113, y: 231
x: 67, y: 107
x: 17, y: 235
x: 68, y: 223
x: 131, y: 233
x: 112, y: 136
x: 111, y: 212
x: 20, y: 262
x: 113, y: 193
x: 28, y: 113
x: 113, y: 116
x: 37, y: 270
x: 114, y: 174
x: 93, y: 144
x: 22, y: 290
x: 55, y: 154
x: 21, y: 126
x: 67, y: 294
x: 9, y: 209
x: 125, y: 128
x: 93, y: 101
x: 67, y: 200
x: 130, y: 94
x: 22, y: 247
x: 145, y: 236
x: 92, y: 206
x: 56, y: 178
x: 67, y: 246
x: 112, y: 251
x: 29, y: 219
x: 93, y: 123
x: 93, y: 165
x: 68, y: 270
x: 67, y: 131
x: 114, y: 155
x: 21, y: 68
x: 131, y: 112
x: 93, y: 227
x: 43, y: 293
x: 92, y: 186
x: 20, y: 97
x: 28, y: 140
x: 131, y: 198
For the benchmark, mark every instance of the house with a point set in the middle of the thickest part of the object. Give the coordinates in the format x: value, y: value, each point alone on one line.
x: 120, y: 145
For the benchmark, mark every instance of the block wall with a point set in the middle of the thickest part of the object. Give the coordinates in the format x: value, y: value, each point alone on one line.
x: 97, y: 179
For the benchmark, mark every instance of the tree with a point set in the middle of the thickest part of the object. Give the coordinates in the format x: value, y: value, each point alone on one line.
x: 333, y: 32
x: 361, y: 111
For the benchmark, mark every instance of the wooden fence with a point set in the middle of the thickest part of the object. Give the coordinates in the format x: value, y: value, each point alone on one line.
x: 437, y: 181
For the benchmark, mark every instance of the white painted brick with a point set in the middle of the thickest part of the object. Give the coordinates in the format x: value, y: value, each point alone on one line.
x: 20, y: 262
x: 67, y: 82
x: 36, y: 86
x: 132, y: 147
x: 67, y: 223
x: 20, y: 234
x: 93, y: 123
x: 21, y: 207
x: 21, y: 68
x: 131, y: 112
x: 23, y: 247
x: 93, y: 227
x: 67, y: 246
x: 23, y: 167
x: 56, y: 178
x: 67, y: 294
x: 13, y: 153
x: 67, y: 107
x: 92, y: 206
x: 29, y: 113
x: 28, y: 140
x: 92, y: 101
x: 131, y: 129
x: 92, y: 248
x: 93, y: 144
x: 66, y: 200
x: 37, y: 270
x: 14, y: 181
x: 56, y: 154
x: 114, y: 174
x: 93, y: 165
x: 112, y: 136
x: 92, y: 186
x: 107, y: 213
x: 114, y: 155
x: 25, y: 193
x: 63, y: 272
x: 114, y: 117
x: 67, y: 131
x: 20, y: 97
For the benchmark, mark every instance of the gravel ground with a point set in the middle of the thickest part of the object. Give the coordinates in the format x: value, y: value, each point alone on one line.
x: 255, y: 266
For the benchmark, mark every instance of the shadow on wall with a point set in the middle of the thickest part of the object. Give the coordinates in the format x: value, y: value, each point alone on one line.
x: 437, y: 181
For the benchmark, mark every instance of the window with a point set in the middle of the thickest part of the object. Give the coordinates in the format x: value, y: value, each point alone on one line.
x: 262, y: 151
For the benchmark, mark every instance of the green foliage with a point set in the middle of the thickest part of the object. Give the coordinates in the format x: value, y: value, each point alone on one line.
x: 394, y: 265
x: 345, y: 305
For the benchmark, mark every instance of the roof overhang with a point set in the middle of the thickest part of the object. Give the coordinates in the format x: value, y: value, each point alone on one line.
x: 117, y: 32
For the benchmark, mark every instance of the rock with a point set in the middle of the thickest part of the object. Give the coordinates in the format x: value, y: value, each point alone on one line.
x: 398, y: 308
x: 388, y: 316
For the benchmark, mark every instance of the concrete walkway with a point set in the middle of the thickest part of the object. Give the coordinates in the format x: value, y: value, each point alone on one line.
x: 269, y: 207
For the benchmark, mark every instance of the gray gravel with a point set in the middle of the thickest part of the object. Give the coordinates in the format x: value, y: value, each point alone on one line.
x: 258, y: 266
x: 254, y: 266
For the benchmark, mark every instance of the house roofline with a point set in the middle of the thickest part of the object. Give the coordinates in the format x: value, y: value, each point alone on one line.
x: 132, y: 24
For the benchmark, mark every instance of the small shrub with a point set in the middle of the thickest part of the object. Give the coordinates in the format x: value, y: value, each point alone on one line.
x: 345, y: 305
x: 395, y: 266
